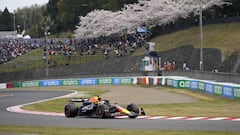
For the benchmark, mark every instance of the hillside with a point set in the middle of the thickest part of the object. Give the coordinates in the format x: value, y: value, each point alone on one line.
x: 222, y: 36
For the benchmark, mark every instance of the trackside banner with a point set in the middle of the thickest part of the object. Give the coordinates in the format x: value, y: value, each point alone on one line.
x: 105, y: 80
x: 179, y: 83
x: 17, y: 84
x: 201, y: 86
x: 183, y: 84
x: 218, y: 89
x: 236, y: 93
x: 126, y: 81
x: 169, y: 82
x: 31, y: 84
x: 209, y: 87
x: 227, y: 90
x: 116, y: 81
x: 194, y: 85
x: 88, y: 81
x: 122, y: 80
x: 70, y: 82
x: 51, y: 83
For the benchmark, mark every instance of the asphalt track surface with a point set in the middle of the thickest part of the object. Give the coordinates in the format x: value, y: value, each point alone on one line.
x: 23, y: 97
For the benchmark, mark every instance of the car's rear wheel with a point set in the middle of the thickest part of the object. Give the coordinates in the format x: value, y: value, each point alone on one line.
x: 70, y: 110
x: 102, y: 111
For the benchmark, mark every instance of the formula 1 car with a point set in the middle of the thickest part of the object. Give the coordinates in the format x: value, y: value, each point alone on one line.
x: 101, y: 109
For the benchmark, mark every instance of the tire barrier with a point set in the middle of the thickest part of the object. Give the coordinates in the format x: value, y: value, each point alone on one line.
x: 228, y: 90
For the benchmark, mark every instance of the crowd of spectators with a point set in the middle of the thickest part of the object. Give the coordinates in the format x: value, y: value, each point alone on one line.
x: 117, y: 45
x: 13, y: 48
x: 168, y: 66
x: 59, y: 46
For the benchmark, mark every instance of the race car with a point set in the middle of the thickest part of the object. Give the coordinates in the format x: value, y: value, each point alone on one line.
x: 97, y: 108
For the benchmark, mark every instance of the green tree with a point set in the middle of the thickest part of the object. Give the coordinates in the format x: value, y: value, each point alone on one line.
x: 1, y: 25
x: 6, y: 21
x: 233, y: 9
x: 33, y: 16
x: 69, y: 12
x: 52, y: 11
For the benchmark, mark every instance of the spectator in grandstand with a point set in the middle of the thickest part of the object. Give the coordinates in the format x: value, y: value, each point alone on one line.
x: 215, y: 70
x: 165, y: 66
x: 174, y: 66
x: 168, y: 66
x: 185, y: 67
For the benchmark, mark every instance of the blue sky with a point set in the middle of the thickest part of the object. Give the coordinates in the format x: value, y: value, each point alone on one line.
x: 14, y: 4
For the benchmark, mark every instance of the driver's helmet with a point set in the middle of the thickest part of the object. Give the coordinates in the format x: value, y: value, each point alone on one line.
x: 95, y: 99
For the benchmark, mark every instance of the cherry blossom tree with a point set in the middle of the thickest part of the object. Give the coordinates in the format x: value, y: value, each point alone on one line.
x: 149, y: 13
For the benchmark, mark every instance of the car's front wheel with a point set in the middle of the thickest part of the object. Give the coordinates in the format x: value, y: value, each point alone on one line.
x: 133, y: 108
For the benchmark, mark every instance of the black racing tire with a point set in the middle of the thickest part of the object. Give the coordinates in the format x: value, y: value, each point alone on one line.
x: 133, y: 108
x: 101, y: 111
x: 70, y: 110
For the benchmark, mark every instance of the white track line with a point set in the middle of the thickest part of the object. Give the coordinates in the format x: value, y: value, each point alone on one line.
x: 18, y: 108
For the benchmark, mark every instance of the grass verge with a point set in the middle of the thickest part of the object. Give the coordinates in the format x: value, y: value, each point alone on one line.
x: 8, y: 130
x: 208, y: 105
x: 58, y: 104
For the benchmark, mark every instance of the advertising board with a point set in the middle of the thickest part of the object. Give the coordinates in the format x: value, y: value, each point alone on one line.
x: 69, y: 82
x: 17, y: 84
x: 31, y: 84
x: 194, y: 85
x: 51, y: 83
x: 126, y: 81
x: 116, y: 81
x: 88, y: 81
x: 218, y: 89
x: 169, y: 82
x: 105, y: 81
x: 236, y: 92
x: 209, y: 88
x: 228, y: 91
x: 201, y: 86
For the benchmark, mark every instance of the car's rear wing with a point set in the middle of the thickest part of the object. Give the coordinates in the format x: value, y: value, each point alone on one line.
x: 78, y: 100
